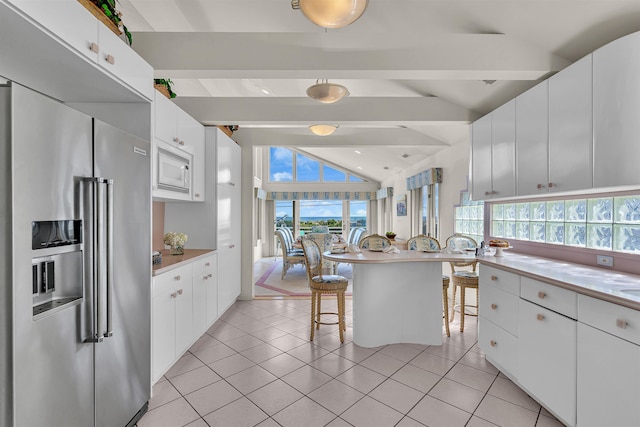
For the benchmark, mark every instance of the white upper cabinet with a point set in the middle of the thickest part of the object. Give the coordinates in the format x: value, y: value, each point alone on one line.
x: 481, y: 158
x: 503, y: 149
x: 616, y: 108
x: 493, y: 154
x: 228, y: 160
x: 532, y: 146
x: 571, y: 128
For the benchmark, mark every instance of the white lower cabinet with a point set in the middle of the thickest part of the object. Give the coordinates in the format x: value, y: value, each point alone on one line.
x: 608, y: 365
x: 547, y: 359
x: 205, y: 294
x: 171, y: 314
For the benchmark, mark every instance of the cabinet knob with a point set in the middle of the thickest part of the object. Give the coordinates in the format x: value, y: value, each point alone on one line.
x: 173, y: 295
x: 551, y: 184
x: 176, y: 140
x: 494, y: 306
x: 94, y: 48
x: 539, y: 186
x: 621, y: 323
x: 180, y: 291
x: 205, y: 278
x: 231, y: 183
x: 232, y: 246
x: 197, y: 195
x: 486, y: 193
x: 207, y: 264
x: 110, y: 59
x: 210, y: 275
x: 542, y: 295
x: 493, y: 343
x: 494, y: 278
x: 181, y: 142
x: 540, y: 317
x: 177, y: 278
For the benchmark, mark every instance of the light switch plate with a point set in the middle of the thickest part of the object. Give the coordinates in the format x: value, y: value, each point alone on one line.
x: 605, y: 260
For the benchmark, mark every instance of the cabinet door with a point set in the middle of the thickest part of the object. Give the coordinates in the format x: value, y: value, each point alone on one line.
x: 229, y: 160
x: 228, y: 277
x: 547, y: 359
x: 191, y: 132
x: 570, y: 128
x: 184, y: 315
x: 532, y: 144
x: 124, y: 63
x: 616, y: 102
x: 608, y: 380
x: 503, y: 150
x: 211, y: 285
x: 68, y: 20
x: 481, y: 158
x: 165, y: 119
x: 199, y: 304
x: 164, y: 333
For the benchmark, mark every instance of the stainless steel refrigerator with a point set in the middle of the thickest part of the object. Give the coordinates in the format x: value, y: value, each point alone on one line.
x: 74, y: 267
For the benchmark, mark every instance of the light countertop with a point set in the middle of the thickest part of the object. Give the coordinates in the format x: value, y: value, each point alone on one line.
x: 592, y: 281
x: 170, y: 262
x: 372, y: 257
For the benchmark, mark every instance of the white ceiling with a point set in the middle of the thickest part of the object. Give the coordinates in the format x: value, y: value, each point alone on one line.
x: 415, y: 69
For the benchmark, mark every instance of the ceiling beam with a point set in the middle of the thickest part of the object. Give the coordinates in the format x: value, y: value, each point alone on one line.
x: 343, y: 56
x: 305, y: 111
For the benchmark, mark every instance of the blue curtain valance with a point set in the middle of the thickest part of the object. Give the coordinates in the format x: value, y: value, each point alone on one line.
x: 428, y: 177
x: 384, y: 193
x: 261, y: 194
x: 321, y: 195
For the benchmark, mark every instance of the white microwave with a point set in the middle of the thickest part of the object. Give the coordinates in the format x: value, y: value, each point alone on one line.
x: 173, y: 169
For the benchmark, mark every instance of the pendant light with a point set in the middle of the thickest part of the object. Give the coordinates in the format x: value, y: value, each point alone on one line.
x: 326, y: 92
x: 323, y: 130
x: 331, y: 13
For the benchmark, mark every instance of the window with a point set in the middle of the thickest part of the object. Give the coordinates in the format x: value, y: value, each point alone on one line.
x: 321, y: 212
x: 469, y: 218
x: 354, y: 178
x: 357, y: 213
x: 307, y: 169
x: 603, y: 223
x: 284, y: 213
x: 280, y: 164
x: 331, y: 174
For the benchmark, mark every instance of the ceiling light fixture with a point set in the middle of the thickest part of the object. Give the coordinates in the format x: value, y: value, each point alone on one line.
x: 326, y: 92
x: 331, y: 13
x: 323, y: 130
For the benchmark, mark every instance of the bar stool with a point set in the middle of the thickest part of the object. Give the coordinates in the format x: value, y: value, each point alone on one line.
x: 429, y: 244
x: 322, y: 285
x: 462, y: 279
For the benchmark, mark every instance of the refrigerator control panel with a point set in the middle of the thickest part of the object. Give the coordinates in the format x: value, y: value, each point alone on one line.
x: 52, y: 234
x: 56, y: 282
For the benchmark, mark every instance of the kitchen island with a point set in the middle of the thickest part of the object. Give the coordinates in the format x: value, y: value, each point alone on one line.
x: 397, y: 297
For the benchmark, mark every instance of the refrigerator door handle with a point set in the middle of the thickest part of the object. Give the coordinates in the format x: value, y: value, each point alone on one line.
x: 109, y: 184
x: 92, y: 242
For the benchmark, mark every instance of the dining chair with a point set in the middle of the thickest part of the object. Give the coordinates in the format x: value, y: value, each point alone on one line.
x: 463, y: 279
x: 325, y: 243
x: 429, y: 244
x: 374, y: 242
x: 323, y: 285
x: 290, y: 256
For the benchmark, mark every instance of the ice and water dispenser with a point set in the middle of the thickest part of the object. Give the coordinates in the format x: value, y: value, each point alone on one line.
x: 57, y: 265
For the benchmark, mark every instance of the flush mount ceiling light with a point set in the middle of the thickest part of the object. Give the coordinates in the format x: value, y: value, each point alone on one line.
x: 331, y: 13
x: 323, y: 130
x: 326, y: 92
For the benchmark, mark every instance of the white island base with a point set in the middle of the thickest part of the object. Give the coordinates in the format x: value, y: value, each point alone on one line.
x: 397, y: 302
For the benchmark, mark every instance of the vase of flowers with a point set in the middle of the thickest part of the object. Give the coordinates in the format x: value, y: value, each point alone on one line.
x: 176, y: 242
x: 391, y: 235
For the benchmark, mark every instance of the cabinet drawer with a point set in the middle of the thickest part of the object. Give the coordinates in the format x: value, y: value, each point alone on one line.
x: 499, y: 345
x: 504, y: 280
x: 499, y: 306
x: 167, y: 281
x: 620, y: 321
x: 554, y: 298
x: 204, y: 266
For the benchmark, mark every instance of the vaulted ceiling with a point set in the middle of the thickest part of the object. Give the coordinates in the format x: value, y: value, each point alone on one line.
x: 418, y: 71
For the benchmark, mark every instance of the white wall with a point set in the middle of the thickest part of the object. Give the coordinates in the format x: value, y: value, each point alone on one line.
x: 455, y: 164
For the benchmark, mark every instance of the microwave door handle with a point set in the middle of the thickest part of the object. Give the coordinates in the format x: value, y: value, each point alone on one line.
x: 109, y: 225
x: 186, y: 176
x: 92, y: 206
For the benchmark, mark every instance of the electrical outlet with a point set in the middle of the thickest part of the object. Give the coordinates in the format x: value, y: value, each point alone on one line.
x: 605, y: 260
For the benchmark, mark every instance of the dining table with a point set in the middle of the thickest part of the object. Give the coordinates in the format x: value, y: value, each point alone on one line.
x: 397, y: 296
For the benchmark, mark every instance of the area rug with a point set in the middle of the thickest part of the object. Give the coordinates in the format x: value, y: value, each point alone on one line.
x: 294, y: 283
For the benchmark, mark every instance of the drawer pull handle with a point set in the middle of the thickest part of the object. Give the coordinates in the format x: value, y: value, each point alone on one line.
x: 110, y: 59
x: 207, y: 264
x: 176, y: 140
x: 180, y: 291
x: 181, y: 142
x: 173, y: 295
x: 177, y: 278
x: 210, y: 275
x: 493, y: 343
x: 540, y: 317
x: 94, y: 48
x: 542, y: 295
x: 494, y: 306
x: 621, y: 323
x: 205, y: 277
x: 197, y: 194
x: 494, y: 278
x: 551, y: 185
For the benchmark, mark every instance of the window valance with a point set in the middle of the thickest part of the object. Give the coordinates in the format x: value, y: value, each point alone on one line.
x: 261, y: 194
x: 384, y: 193
x: 321, y: 195
x: 428, y: 177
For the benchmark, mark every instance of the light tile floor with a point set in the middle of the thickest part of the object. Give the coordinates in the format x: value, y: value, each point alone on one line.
x: 256, y: 367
